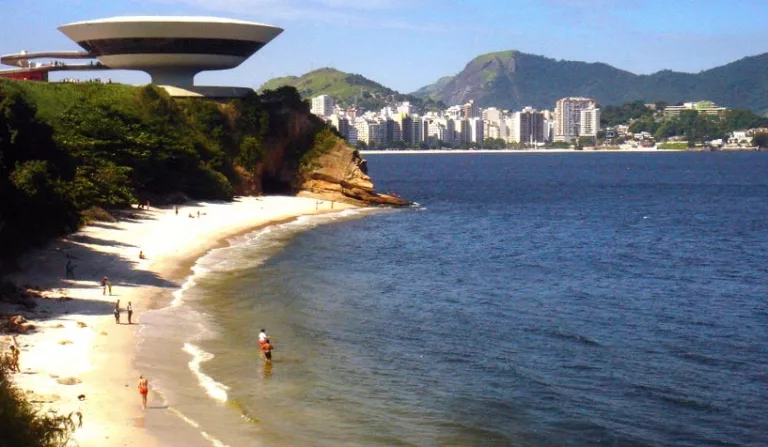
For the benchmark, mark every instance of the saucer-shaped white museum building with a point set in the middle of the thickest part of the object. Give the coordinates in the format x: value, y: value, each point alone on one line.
x: 172, y: 50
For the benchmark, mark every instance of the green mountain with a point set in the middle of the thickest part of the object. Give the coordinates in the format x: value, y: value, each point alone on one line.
x: 512, y: 80
x: 347, y: 88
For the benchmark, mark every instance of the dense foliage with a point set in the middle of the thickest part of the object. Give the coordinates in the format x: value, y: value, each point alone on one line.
x: 694, y: 126
x: 67, y: 148
x: 21, y: 425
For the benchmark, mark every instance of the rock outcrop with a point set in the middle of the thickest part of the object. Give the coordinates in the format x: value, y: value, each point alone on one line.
x: 341, y: 175
x: 335, y: 172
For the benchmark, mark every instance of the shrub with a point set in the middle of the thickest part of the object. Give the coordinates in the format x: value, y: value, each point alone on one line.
x: 21, y: 425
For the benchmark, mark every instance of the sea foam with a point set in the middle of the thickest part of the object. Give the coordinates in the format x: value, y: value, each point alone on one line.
x: 214, y: 389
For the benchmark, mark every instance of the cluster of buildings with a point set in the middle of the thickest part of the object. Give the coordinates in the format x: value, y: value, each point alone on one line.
x: 459, y: 125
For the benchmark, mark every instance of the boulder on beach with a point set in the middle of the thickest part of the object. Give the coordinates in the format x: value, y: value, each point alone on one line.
x: 16, y: 324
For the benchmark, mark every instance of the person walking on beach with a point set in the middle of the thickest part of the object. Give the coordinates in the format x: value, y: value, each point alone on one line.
x: 106, y: 284
x: 117, y: 312
x: 266, y: 348
x: 15, y: 359
x: 143, y: 390
x: 70, y: 269
x: 129, y: 308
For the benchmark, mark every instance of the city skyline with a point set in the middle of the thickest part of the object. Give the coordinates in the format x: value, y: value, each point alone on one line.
x: 358, y: 36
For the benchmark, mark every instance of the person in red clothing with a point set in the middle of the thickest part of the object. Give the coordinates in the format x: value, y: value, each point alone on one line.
x: 143, y: 390
x: 266, y: 348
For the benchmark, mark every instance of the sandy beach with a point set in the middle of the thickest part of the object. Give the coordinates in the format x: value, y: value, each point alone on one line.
x: 78, y: 349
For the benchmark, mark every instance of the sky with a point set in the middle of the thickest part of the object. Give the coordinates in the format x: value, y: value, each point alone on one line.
x: 407, y: 44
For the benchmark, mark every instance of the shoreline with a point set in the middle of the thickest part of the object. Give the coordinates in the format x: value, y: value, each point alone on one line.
x: 77, y: 340
x: 511, y: 151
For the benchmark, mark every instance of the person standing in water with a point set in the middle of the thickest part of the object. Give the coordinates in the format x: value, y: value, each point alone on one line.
x: 130, y: 312
x: 262, y: 336
x: 143, y: 390
x: 266, y: 348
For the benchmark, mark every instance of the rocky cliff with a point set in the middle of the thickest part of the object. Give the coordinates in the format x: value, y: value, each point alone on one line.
x: 330, y: 169
x: 341, y: 175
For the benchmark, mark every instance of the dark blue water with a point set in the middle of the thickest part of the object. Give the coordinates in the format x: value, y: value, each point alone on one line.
x: 532, y: 300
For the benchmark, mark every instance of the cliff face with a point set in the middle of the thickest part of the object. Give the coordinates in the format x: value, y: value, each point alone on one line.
x: 341, y: 175
x: 330, y: 170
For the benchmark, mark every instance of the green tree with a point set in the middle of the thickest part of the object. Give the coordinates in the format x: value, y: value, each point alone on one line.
x: 760, y: 140
x: 251, y: 153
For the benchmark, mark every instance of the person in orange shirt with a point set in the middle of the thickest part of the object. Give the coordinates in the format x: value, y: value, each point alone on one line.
x: 266, y: 348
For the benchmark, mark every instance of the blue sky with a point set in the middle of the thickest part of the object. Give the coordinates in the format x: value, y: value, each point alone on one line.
x: 406, y: 44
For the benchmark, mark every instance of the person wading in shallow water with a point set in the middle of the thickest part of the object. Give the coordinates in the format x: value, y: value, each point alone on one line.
x: 266, y: 348
x: 143, y: 390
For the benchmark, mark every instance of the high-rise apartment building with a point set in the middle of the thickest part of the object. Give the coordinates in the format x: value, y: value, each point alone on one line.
x: 418, y: 130
x: 476, y: 131
x: 405, y: 124
x: 322, y: 106
x: 492, y: 114
x: 471, y: 110
x: 527, y: 127
x: 589, y: 122
x: 461, y: 131
x: 568, y: 118
x: 341, y: 123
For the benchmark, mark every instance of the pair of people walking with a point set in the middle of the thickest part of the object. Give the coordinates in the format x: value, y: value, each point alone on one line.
x: 128, y: 309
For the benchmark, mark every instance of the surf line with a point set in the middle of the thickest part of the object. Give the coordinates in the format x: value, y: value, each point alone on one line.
x: 214, y: 389
x: 211, y: 439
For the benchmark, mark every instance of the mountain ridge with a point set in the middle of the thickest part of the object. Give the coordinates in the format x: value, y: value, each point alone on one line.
x: 512, y: 80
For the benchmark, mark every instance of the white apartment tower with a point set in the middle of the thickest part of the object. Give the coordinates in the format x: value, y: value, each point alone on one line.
x: 322, y: 106
x: 568, y: 118
x: 476, y: 130
x: 589, y: 122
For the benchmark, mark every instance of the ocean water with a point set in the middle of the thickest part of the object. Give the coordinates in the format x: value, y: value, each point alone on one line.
x: 528, y: 300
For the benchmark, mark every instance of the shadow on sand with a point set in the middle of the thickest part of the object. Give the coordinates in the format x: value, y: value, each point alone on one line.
x: 90, y: 265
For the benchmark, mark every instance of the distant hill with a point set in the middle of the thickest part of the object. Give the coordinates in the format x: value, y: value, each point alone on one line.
x: 347, y: 88
x: 512, y: 80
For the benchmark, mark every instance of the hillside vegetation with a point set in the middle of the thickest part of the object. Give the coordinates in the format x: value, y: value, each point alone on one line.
x: 66, y: 149
x: 347, y: 88
x: 513, y: 80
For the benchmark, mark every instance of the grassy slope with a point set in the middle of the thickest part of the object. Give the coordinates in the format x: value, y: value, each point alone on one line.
x: 328, y: 81
x: 51, y: 99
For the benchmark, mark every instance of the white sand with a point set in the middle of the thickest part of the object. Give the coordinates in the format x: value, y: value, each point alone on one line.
x: 101, y: 354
